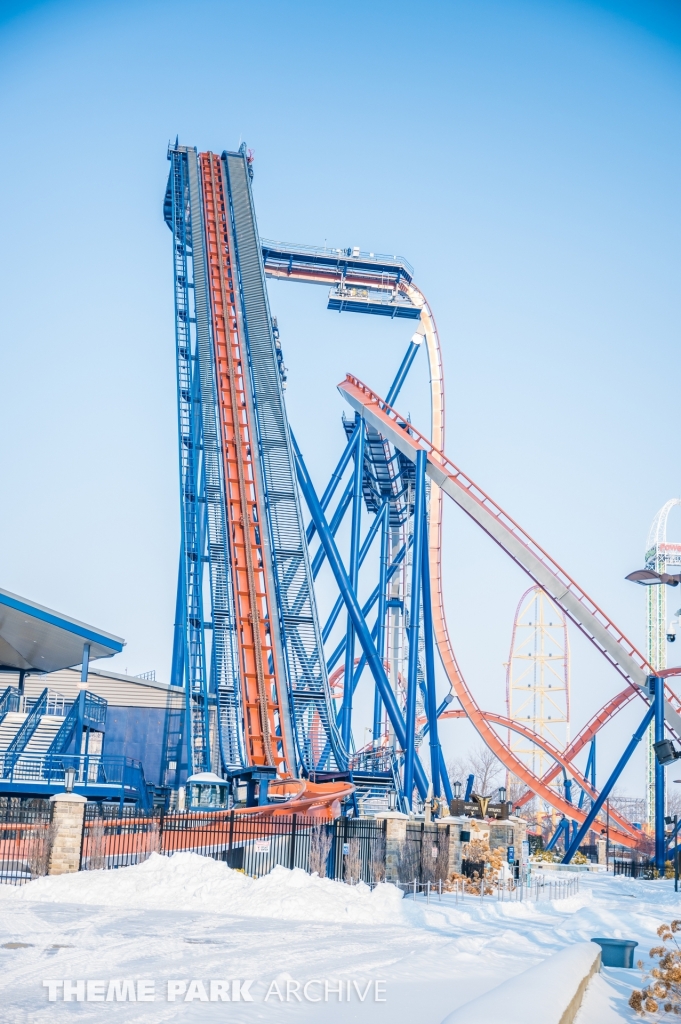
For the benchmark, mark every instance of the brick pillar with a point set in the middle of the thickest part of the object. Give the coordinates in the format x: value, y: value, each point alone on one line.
x: 68, y: 811
x: 601, y: 847
x: 395, y: 836
x: 454, y: 861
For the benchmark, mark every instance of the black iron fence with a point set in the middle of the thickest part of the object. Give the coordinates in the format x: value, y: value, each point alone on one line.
x: 25, y: 842
x: 347, y: 849
x: 472, y: 868
x: 635, y: 868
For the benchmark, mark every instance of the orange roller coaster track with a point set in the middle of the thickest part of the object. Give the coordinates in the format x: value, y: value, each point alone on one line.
x: 260, y: 684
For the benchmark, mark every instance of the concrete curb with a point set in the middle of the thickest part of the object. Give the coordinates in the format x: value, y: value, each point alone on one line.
x: 549, y: 993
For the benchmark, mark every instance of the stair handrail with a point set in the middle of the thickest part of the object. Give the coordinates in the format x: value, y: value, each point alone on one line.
x: 10, y: 696
x: 31, y: 723
x: 95, y: 707
x: 93, y: 710
x: 65, y: 732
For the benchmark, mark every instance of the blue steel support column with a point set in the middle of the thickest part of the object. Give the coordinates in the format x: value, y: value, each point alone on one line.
x: 335, y: 480
x: 592, y: 758
x: 353, y: 574
x: 366, y: 608
x: 563, y: 826
x: 177, y: 664
x: 449, y: 796
x: 589, y: 772
x: 605, y: 792
x: 431, y: 707
x: 362, y: 630
x: 85, y: 666
x: 336, y: 520
x: 413, y: 632
x: 405, y: 366
x: 380, y: 640
x: 80, y: 718
x: 656, y: 686
x: 186, y: 230
x: 375, y: 594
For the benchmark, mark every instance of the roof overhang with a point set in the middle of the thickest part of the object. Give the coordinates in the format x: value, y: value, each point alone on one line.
x: 38, y: 639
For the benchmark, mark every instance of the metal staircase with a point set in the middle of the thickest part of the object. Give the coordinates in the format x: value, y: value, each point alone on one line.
x: 9, y: 727
x: 299, y: 632
x: 44, y: 735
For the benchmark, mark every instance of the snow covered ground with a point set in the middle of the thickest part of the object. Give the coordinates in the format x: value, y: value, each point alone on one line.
x: 312, y: 950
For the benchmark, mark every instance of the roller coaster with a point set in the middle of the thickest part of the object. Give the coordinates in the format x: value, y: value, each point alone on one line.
x: 270, y: 688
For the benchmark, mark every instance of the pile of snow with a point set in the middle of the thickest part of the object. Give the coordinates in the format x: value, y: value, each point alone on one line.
x: 187, y: 881
x: 558, y: 985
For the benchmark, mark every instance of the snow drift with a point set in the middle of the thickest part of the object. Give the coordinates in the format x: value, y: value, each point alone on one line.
x: 187, y: 881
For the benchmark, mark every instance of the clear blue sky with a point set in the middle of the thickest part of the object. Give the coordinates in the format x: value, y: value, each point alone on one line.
x: 524, y: 156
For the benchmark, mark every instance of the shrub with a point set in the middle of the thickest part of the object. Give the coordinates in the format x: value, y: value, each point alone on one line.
x: 661, y: 990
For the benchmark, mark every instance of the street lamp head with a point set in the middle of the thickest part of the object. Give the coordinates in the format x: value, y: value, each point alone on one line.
x: 69, y: 779
x: 666, y: 752
x: 456, y: 790
x: 650, y: 578
x: 502, y: 794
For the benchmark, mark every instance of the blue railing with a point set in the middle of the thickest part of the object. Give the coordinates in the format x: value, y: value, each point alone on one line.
x: 121, y: 774
x: 54, y: 704
x: 30, y: 725
x: 95, y: 709
x: 332, y: 253
x: 9, y: 701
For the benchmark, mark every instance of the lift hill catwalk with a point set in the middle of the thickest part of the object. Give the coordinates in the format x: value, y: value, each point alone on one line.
x: 269, y: 696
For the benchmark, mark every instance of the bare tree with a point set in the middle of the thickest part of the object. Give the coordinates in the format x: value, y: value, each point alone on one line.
x: 378, y: 860
x: 353, y: 861
x: 674, y: 801
x: 487, y: 768
x: 483, y: 764
x: 320, y: 845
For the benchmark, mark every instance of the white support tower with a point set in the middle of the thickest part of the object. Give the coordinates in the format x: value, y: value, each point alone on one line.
x: 538, y: 677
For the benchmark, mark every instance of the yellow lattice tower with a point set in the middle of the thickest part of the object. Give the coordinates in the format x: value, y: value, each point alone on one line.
x: 538, y: 678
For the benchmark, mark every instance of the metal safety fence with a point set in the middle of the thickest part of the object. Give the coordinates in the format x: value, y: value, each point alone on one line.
x: 346, y: 849
x: 634, y: 868
x: 500, y: 889
x: 25, y: 843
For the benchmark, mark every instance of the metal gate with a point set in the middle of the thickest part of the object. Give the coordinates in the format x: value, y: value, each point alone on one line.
x: 424, y: 854
x: 25, y: 843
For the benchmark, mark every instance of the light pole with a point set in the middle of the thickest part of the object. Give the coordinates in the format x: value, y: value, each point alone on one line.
x: 664, y: 749
x: 674, y: 821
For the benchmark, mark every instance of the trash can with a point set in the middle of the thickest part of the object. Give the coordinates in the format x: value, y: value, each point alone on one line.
x: 617, y: 952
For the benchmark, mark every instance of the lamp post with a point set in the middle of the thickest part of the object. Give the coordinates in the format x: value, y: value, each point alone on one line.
x: 674, y: 821
x: 664, y: 749
x: 69, y: 779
